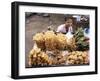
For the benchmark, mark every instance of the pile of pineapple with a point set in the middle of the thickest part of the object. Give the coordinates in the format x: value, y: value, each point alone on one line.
x: 38, y: 57
x: 50, y: 40
x: 50, y: 46
x: 77, y: 57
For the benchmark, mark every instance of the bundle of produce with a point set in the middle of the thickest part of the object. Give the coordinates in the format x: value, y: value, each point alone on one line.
x: 78, y: 57
x: 39, y: 58
x: 40, y: 40
x: 61, y: 41
x: 50, y: 40
x: 81, y: 41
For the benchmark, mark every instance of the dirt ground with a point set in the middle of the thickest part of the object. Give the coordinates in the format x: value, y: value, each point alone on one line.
x: 39, y: 23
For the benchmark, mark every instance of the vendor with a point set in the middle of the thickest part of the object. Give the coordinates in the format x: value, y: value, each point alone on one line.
x: 67, y: 26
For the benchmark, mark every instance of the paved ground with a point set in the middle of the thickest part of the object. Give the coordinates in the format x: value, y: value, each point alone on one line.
x: 37, y: 23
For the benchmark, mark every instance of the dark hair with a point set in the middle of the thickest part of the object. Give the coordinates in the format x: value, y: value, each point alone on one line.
x: 67, y: 18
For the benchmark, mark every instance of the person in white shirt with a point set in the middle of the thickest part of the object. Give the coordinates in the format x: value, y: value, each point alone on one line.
x: 67, y: 26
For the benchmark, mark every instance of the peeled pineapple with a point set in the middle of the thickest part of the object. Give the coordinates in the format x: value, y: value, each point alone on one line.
x: 39, y: 58
x: 40, y: 40
x: 78, y: 57
x: 50, y: 40
x: 61, y: 41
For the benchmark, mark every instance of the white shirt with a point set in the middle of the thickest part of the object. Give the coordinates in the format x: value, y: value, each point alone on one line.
x: 62, y: 29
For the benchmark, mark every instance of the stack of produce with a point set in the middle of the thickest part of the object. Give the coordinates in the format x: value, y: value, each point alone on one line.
x: 78, y: 57
x: 50, y: 40
x: 49, y: 47
x: 61, y: 41
x: 40, y: 40
x: 39, y: 58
